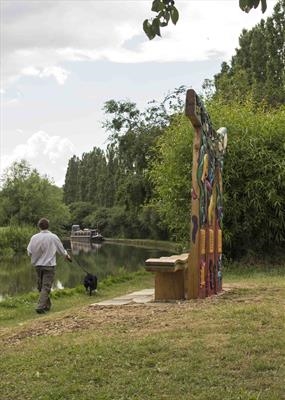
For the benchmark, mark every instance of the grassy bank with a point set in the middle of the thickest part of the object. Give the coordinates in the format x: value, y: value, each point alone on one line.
x: 228, y: 347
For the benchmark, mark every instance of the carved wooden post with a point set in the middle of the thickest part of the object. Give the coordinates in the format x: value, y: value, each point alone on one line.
x: 222, y: 139
x: 193, y: 113
x: 204, y: 268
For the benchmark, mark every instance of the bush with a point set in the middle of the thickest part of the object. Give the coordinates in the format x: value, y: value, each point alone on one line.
x: 14, y: 239
x: 253, y: 177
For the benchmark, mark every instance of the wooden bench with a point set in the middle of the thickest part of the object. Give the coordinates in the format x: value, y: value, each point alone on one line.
x: 169, y: 276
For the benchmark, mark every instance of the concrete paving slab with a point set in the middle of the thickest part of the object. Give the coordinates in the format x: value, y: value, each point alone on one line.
x: 141, y: 296
x: 112, y: 302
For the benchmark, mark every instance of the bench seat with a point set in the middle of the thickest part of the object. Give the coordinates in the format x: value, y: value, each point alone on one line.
x: 169, y: 276
x: 168, y: 264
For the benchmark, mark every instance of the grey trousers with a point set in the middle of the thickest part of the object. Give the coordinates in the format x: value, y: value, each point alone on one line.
x: 45, y: 280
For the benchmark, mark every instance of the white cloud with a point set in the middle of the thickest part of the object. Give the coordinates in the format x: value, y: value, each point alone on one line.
x: 48, y: 154
x: 60, y: 74
x: 10, y: 98
x: 40, y: 36
x: 36, y: 34
x: 13, y: 102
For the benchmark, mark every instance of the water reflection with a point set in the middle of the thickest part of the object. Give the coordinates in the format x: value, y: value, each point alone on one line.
x: 17, y: 276
x: 86, y: 247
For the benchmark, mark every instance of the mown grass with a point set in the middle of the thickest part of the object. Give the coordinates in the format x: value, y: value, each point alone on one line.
x: 229, y: 347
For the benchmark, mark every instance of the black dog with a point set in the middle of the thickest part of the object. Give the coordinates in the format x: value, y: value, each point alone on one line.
x: 90, y: 283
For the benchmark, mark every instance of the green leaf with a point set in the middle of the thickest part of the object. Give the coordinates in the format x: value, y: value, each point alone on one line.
x: 156, y: 26
x: 157, y: 6
x: 147, y: 27
x: 163, y: 18
x: 252, y: 3
x: 244, y: 5
x: 263, y: 6
x: 247, y: 5
x: 174, y: 14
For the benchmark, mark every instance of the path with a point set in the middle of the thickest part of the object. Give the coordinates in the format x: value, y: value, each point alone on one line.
x: 139, y: 297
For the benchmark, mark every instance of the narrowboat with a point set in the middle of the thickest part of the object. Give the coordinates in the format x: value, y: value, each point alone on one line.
x: 91, y: 235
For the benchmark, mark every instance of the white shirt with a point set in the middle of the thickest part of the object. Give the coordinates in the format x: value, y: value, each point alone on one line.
x: 43, y: 247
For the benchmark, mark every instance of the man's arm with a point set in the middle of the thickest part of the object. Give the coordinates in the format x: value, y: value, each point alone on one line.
x: 60, y: 248
x: 29, y: 248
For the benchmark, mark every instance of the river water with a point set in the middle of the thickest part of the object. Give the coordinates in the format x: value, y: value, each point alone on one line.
x: 17, y: 276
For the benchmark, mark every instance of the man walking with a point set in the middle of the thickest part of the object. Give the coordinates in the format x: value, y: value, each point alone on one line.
x: 42, y: 248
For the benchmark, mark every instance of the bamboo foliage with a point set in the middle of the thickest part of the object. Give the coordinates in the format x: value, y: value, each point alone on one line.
x: 254, y: 177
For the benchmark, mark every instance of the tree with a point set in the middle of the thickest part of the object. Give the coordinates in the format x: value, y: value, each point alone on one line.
x: 166, y: 11
x: 26, y: 197
x: 71, y: 181
x: 133, y: 135
x: 80, y: 210
x: 170, y: 173
x: 257, y: 69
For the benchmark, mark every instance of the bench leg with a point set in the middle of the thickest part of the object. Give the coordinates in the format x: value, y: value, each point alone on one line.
x: 169, y: 286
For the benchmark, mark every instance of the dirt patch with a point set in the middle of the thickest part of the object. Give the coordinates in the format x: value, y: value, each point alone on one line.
x: 133, y: 318
x: 141, y: 319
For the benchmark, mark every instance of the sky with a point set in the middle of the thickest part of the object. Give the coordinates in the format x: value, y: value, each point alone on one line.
x: 61, y: 60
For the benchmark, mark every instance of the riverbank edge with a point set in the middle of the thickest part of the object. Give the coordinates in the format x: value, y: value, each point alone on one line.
x: 148, y: 243
x: 158, y: 244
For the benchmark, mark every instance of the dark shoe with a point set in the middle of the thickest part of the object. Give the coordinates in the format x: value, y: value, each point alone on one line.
x: 40, y: 310
x: 46, y: 309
